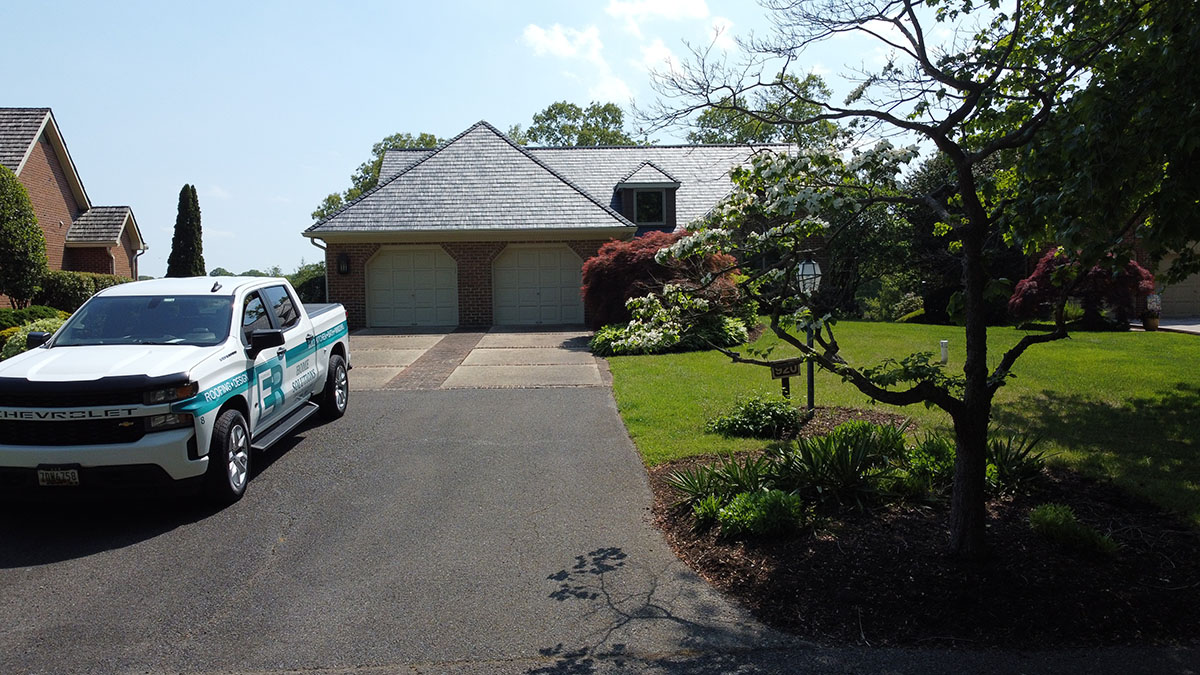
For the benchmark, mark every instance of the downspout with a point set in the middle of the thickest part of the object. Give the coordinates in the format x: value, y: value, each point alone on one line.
x: 137, y: 255
x: 313, y: 241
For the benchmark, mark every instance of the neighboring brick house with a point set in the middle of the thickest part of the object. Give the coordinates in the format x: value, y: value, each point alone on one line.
x: 79, y: 236
x: 482, y: 231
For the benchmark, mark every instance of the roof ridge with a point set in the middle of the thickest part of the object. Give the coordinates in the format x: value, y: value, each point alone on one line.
x: 643, y: 165
x: 448, y: 143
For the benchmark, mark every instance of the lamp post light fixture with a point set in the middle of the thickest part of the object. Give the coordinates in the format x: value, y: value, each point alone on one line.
x: 808, y: 281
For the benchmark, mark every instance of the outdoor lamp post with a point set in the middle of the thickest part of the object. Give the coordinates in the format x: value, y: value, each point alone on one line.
x: 808, y: 280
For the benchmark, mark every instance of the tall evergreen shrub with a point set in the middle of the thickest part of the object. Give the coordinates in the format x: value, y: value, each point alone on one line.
x: 22, y: 245
x: 187, y: 256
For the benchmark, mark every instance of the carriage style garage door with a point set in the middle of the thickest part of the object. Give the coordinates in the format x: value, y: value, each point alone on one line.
x: 412, y: 287
x: 1182, y: 299
x: 536, y: 285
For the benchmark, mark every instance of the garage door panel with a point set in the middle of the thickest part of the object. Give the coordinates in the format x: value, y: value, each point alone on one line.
x: 537, y: 285
x: 412, y: 288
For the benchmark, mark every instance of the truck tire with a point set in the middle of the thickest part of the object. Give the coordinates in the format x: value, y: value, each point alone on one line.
x: 229, y: 459
x: 336, y: 395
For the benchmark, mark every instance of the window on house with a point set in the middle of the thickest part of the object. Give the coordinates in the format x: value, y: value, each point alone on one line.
x: 649, y: 207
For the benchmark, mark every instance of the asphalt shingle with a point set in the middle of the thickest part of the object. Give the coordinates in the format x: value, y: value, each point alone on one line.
x: 19, y: 129
x: 480, y: 180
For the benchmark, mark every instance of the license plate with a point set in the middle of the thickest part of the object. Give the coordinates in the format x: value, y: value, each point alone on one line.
x: 58, y: 477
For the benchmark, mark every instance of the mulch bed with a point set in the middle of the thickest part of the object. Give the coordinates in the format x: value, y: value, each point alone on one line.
x: 884, y: 578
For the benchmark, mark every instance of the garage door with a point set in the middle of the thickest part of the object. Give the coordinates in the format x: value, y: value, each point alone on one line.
x: 533, y: 286
x: 1182, y: 299
x: 412, y: 287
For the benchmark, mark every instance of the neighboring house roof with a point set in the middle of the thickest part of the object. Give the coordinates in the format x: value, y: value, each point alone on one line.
x: 20, y: 129
x: 479, y: 180
x: 103, y: 225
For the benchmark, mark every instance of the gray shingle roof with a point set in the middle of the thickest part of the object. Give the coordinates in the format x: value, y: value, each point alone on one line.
x: 648, y: 174
x: 395, y: 161
x: 18, y: 130
x: 702, y: 171
x: 99, y: 224
x: 479, y: 180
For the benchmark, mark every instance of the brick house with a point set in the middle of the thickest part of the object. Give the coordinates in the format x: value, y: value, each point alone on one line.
x: 79, y: 236
x: 482, y: 231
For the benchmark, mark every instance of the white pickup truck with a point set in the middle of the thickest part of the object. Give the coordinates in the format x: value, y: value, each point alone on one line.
x: 169, y: 383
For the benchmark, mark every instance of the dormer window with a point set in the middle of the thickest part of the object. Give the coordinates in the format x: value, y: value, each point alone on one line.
x: 650, y: 207
x: 646, y: 196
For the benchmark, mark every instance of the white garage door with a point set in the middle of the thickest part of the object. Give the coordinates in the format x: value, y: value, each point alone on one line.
x: 533, y: 286
x: 1182, y: 299
x: 412, y: 287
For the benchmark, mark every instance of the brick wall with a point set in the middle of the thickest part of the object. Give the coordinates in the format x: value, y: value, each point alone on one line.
x: 350, y: 289
x: 90, y: 259
x: 474, y: 260
x: 46, y: 182
x: 125, y: 258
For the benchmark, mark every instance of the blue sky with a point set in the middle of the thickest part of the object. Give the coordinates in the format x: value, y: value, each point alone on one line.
x: 266, y: 107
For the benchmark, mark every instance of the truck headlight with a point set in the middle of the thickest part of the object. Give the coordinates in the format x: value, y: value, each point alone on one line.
x: 171, y: 394
x: 168, y: 421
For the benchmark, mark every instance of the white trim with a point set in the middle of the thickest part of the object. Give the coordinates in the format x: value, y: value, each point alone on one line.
x: 49, y: 127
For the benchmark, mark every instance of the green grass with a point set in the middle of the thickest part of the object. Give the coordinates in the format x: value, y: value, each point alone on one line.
x: 1120, y: 405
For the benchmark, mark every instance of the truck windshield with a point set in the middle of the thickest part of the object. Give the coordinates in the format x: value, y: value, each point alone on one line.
x: 156, y: 320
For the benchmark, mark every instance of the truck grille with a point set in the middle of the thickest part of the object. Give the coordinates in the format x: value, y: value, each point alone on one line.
x: 72, y: 432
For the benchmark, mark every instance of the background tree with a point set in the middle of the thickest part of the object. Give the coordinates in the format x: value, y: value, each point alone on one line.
x: 220, y: 272
x: 187, y: 246
x: 566, y: 124
x: 366, y: 176
x: 1006, y: 74
x: 22, y: 245
x: 754, y: 121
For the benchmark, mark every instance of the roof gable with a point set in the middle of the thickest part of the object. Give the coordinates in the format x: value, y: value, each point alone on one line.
x: 648, y: 174
x: 479, y: 180
x: 103, y: 225
x: 20, y: 129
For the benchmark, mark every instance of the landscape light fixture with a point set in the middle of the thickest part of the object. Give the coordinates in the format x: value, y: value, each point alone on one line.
x: 808, y: 281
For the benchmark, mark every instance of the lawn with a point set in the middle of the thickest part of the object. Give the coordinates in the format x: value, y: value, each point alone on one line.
x: 1125, y: 406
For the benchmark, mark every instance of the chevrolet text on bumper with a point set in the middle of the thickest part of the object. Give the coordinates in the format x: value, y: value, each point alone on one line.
x: 169, y: 383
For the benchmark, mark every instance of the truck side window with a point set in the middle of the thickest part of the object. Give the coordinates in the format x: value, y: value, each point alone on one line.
x: 254, y: 316
x: 281, y: 302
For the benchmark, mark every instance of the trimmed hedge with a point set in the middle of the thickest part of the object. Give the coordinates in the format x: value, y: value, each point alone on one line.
x: 67, y: 290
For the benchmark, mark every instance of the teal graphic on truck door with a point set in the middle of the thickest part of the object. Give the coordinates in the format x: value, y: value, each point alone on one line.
x: 300, y: 371
x: 266, y: 387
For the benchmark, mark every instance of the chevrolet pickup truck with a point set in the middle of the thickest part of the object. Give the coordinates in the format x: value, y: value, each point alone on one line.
x: 169, y: 383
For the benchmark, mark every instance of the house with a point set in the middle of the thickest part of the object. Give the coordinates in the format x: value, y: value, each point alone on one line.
x: 79, y: 236
x: 482, y: 231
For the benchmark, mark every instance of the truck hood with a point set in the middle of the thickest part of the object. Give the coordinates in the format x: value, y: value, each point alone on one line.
x: 75, y: 364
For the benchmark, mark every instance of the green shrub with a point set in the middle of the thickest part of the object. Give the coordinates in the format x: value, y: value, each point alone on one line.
x: 762, y: 513
x: 658, y: 326
x: 929, y: 465
x: 19, y: 317
x: 695, y: 484
x: 757, y: 416
x: 1016, y: 459
x: 883, y: 440
x: 828, y: 470
x: 67, y: 290
x: 1057, y: 523
x: 916, y: 316
x: 7, y: 333
x: 15, y: 344
x: 706, y: 512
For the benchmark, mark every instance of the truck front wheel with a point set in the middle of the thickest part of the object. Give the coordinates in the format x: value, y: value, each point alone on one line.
x: 229, y: 459
x: 336, y: 395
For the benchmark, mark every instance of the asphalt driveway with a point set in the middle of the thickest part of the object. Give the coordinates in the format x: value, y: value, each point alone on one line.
x: 447, y: 530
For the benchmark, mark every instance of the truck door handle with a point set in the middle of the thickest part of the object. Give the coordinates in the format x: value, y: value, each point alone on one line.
x: 308, y: 338
x: 281, y: 351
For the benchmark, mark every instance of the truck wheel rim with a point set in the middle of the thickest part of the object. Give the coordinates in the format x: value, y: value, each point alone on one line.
x: 239, y: 457
x: 341, y: 388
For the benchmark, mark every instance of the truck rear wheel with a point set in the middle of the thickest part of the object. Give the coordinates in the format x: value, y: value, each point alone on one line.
x: 229, y: 459
x: 336, y: 395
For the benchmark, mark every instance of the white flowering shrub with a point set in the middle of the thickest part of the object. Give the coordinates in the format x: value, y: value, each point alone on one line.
x: 658, y: 326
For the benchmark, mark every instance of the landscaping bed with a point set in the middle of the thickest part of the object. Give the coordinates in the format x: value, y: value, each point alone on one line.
x: 883, y: 577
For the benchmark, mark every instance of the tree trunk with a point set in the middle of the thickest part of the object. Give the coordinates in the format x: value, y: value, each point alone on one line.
x: 967, y: 510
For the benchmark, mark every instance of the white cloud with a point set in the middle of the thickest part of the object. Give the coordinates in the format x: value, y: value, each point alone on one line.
x: 722, y: 31
x: 565, y: 43
x: 657, y: 57
x: 609, y: 87
x: 216, y: 192
x: 219, y: 234
x: 634, y: 12
x: 820, y: 70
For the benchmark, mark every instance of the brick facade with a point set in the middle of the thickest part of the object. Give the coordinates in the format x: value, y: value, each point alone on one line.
x: 95, y: 259
x: 473, y: 258
x: 53, y: 202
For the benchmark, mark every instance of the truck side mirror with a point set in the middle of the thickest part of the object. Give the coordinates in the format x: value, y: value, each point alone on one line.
x: 36, y: 339
x: 264, y: 338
